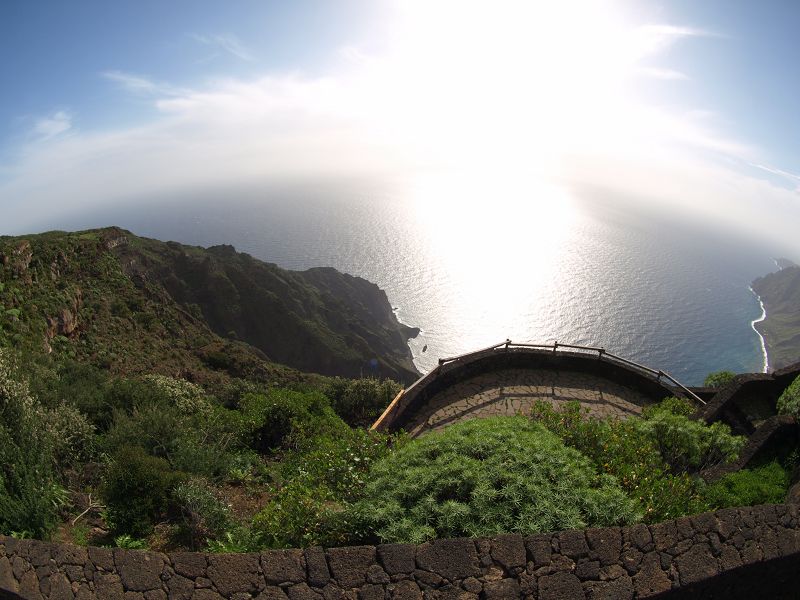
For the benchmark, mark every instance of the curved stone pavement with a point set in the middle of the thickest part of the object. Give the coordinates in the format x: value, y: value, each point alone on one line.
x: 513, y: 391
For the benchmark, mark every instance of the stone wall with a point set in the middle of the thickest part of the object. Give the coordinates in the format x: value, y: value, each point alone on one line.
x: 775, y: 436
x: 731, y: 553
x: 748, y: 400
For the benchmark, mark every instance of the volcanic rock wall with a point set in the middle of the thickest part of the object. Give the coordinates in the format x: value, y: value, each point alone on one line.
x: 732, y: 553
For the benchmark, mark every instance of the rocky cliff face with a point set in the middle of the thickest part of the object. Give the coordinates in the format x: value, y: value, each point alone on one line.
x: 319, y: 320
x: 133, y: 304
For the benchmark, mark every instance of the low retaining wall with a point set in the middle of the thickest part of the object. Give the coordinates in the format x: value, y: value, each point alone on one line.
x: 731, y: 553
x: 774, y: 437
x: 749, y: 399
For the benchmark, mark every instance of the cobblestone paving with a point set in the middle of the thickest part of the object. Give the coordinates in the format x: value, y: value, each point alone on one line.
x: 513, y: 391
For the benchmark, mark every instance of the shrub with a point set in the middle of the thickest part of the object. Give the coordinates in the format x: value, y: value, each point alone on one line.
x: 129, y: 543
x: 689, y: 445
x: 203, y: 514
x: 282, y: 418
x: 296, y: 516
x: 360, y: 401
x: 72, y: 436
x: 340, y: 463
x: 672, y: 405
x: 624, y: 449
x: 139, y: 491
x: 239, y: 539
x: 317, y: 485
x: 188, y: 398
x: 184, y: 427
x: 29, y: 494
x: 718, y: 379
x: 789, y: 401
x: 766, y: 484
x: 484, y: 477
x: 151, y: 427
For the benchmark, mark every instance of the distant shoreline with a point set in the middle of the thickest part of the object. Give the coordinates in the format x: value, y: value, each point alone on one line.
x: 760, y: 319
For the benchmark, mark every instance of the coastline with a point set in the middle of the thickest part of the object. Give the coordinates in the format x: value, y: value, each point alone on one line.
x: 760, y: 335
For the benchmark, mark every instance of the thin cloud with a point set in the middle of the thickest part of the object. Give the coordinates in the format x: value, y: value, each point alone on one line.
x: 139, y: 84
x: 662, y: 74
x: 793, y: 178
x: 227, y: 42
x: 53, y: 125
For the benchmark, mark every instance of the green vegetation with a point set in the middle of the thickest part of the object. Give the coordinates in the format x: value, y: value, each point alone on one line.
x: 789, y: 401
x: 766, y: 484
x: 138, y: 410
x: 484, y: 477
x: 139, y: 491
x: 653, y: 458
x: 132, y: 305
x: 30, y: 493
x: 719, y: 379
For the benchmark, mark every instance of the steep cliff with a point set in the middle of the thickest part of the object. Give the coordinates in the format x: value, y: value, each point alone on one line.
x: 133, y: 304
x: 780, y: 293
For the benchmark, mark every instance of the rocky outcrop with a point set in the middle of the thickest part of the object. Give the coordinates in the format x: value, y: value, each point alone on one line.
x: 731, y: 553
x: 18, y: 258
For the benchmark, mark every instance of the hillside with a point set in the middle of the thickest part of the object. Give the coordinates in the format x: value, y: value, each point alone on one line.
x: 780, y: 293
x: 135, y: 305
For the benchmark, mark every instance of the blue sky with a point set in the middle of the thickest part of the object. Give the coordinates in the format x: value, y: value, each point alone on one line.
x: 58, y: 54
x: 128, y: 101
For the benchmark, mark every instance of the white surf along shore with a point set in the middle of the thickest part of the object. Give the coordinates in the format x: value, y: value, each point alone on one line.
x: 761, y: 337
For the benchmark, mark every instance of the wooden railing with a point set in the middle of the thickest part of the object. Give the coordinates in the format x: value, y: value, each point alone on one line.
x: 602, y: 354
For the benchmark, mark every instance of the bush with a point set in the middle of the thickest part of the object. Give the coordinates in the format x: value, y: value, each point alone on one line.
x: 789, y: 401
x: 139, y: 491
x: 239, y: 539
x: 626, y: 450
x: 30, y: 496
x: 183, y: 426
x: 718, y: 379
x: 672, y: 405
x: 485, y: 477
x: 340, y: 463
x: 686, y: 444
x: 317, y: 485
x: 204, y: 515
x: 296, y: 516
x: 360, y: 401
x: 766, y: 484
x: 284, y: 419
x: 72, y: 436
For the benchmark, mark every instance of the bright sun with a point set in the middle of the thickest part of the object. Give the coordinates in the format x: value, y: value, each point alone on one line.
x: 511, y: 85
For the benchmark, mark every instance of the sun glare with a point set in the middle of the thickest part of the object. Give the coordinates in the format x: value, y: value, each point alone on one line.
x: 480, y: 229
x: 511, y: 84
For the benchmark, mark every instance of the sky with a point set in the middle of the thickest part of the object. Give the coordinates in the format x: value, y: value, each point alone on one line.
x: 687, y: 104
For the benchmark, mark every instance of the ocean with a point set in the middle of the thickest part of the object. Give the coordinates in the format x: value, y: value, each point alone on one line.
x: 473, y: 266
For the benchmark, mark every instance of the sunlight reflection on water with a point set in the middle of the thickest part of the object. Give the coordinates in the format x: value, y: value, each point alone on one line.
x: 472, y: 262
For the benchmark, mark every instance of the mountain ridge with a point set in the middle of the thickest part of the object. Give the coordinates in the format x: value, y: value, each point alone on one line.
x: 134, y: 304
